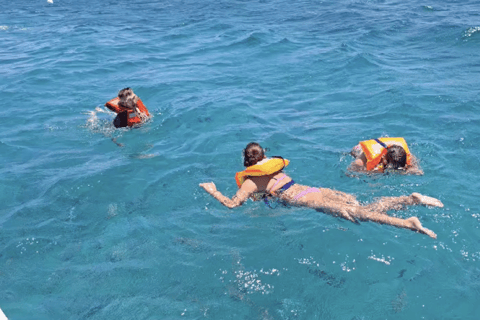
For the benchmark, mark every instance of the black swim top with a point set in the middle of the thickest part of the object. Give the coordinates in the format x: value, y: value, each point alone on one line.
x: 278, y: 193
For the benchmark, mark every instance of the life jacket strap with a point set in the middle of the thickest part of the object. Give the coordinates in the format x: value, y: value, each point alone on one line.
x: 381, y: 143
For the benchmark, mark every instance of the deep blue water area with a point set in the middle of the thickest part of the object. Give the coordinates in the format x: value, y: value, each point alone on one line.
x: 105, y: 223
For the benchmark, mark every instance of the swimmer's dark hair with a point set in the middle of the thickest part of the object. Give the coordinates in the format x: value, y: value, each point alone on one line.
x: 129, y: 103
x: 252, y: 154
x: 128, y: 99
x: 396, y: 157
x: 125, y: 93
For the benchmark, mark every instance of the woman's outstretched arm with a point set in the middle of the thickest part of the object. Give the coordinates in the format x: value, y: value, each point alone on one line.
x: 247, y: 189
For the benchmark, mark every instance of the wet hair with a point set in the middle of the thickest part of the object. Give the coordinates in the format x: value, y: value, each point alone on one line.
x: 396, y: 157
x: 129, y: 103
x: 128, y: 99
x: 252, y: 154
x: 125, y: 93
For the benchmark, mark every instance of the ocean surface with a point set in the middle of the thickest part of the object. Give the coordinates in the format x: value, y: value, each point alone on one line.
x: 105, y: 223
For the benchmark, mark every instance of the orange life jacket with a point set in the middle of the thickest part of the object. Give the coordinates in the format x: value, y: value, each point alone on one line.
x: 133, y: 119
x: 374, y: 150
x: 264, y: 168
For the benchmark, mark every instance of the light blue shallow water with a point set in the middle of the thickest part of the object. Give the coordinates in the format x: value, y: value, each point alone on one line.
x: 91, y: 230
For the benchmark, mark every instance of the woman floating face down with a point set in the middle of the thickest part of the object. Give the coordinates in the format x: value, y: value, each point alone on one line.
x: 387, y: 154
x: 278, y: 185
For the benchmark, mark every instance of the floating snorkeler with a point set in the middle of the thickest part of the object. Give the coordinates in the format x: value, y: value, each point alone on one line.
x: 379, y: 155
x: 129, y: 108
x: 263, y: 179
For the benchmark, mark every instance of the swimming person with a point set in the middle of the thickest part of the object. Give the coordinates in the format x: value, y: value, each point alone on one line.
x: 378, y: 155
x: 264, y: 179
x: 129, y: 108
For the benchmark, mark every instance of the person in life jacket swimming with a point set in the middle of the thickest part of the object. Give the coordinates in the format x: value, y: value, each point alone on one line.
x: 264, y: 177
x: 129, y: 108
x: 379, y: 155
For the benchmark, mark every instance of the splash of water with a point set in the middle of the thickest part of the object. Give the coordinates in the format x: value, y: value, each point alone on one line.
x: 471, y: 31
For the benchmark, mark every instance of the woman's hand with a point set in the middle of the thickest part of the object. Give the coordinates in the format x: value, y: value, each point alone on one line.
x: 209, y: 187
x: 240, y: 197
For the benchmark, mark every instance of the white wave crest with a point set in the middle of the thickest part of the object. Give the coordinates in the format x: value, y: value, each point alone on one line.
x: 471, y: 31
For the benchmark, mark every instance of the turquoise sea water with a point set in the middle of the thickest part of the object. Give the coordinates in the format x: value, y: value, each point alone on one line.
x: 93, y: 230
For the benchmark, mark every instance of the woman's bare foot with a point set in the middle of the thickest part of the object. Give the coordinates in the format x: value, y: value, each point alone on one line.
x: 427, y: 201
x: 416, y: 225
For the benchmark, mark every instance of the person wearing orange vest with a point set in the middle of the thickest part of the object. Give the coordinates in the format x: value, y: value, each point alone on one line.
x: 264, y: 178
x: 129, y: 108
x: 378, y: 155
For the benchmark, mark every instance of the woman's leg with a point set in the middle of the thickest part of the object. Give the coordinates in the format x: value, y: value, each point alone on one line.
x: 411, y: 223
x: 398, y: 203
x: 333, y: 202
x: 329, y: 201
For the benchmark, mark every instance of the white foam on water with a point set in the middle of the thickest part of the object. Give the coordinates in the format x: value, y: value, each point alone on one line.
x: 471, y: 31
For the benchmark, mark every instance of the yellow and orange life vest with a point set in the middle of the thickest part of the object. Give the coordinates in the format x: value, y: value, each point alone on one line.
x: 263, y: 168
x: 133, y: 119
x: 374, y: 150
